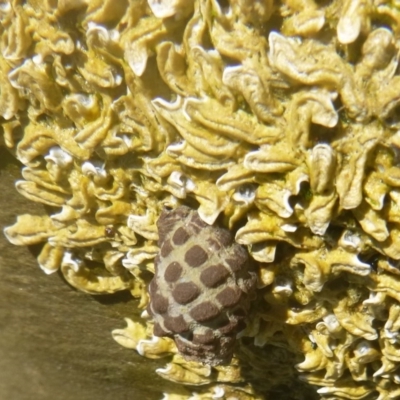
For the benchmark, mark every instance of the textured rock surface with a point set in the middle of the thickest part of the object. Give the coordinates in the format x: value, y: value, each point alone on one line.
x: 202, y: 287
x: 278, y: 119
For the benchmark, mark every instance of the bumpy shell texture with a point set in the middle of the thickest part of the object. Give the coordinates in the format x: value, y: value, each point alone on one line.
x: 202, y: 286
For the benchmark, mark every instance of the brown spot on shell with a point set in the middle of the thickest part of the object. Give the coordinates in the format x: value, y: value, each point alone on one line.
x: 166, y: 248
x: 173, y: 272
x: 180, y: 236
x: 224, y: 237
x: 229, y: 296
x: 185, y: 292
x: 204, y: 311
x: 197, y: 223
x: 182, y: 345
x: 176, y: 324
x: 213, y: 245
x: 189, y: 348
x: 214, y: 275
x: 158, y: 330
x: 239, y: 260
x: 159, y: 304
x: 196, y: 256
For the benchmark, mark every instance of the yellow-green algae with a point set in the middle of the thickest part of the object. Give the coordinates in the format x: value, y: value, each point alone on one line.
x: 276, y: 119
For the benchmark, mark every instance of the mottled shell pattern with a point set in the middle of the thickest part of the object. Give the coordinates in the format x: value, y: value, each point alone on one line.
x: 202, y: 287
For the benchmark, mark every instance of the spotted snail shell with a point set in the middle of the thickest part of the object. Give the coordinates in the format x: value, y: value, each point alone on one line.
x: 202, y: 287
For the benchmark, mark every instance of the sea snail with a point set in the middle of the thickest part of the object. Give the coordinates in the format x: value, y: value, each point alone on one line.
x: 202, y: 287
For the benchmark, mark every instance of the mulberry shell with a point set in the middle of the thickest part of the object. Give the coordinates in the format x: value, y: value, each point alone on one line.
x: 202, y: 287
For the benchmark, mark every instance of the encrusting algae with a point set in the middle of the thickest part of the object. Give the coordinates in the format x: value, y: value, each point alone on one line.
x: 276, y: 120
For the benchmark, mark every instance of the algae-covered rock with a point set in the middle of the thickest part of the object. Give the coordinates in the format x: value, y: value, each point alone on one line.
x: 276, y: 120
